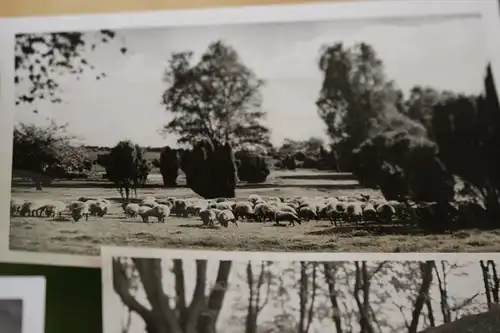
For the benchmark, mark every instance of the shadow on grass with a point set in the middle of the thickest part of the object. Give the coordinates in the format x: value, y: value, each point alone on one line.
x: 369, y: 230
x: 198, y: 226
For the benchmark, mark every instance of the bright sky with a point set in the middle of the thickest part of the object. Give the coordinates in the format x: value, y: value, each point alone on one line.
x: 444, y: 53
x: 463, y: 282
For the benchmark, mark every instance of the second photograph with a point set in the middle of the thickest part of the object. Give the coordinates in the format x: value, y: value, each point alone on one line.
x: 150, y: 291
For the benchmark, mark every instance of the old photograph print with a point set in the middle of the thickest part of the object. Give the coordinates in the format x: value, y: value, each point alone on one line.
x: 339, y: 135
x: 11, y: 315
x: 215, y: 296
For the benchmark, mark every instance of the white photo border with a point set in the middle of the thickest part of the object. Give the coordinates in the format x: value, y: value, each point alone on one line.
x: 32, y: 291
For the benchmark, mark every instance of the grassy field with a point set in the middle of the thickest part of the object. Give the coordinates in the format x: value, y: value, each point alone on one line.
x: 46, y: 235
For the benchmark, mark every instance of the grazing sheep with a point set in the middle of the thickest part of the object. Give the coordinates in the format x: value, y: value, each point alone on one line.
x: 226, y: 216
x: 85, y: 199
x: 222, y: 205
x: 131, y: 209
x: 97, y: 208
x: 243, y: 209
x: 253, y: 198
x: 288, y: 209
x: 32, y: 208
x: 308, y: 213
x: 158, y: 211
x: 15, y: 206
x: 148, y: 202
x: 264, y: 211
x: 354, y: 212
x: 369, y: 213
x: 55, y: 208
x: 180, y: 207
x: 385, y: 212
x: 79, y: 210
x: 208, y: 216
x: 333, y: 214
x: 286, y: 216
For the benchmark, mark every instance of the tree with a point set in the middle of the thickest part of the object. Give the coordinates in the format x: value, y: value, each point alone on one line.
x: 200, y: 316
x: 467, y: 132
x: 426, y: 270
x: 216, y: 99
x: 210, y: 170
x: 491, y: 282
x: 259, y: 288
x: 307, y: 295
x: 354, y: 97
x: 45, y: 153
x: 127, y: 167
x: 252, y: 167
x: 169, y: 166
x: 41, y: 57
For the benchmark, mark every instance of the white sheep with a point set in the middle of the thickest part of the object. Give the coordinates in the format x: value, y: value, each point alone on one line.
x: 307, y: 213
x: 33, y: 208
x: 386, y: 212
x: 253, y: 198
x: 354, y: 212
x: 222, y: 205
x: 286, y: 216
x: 243, y: 209
x: 131, y: 209
x: 159, y: 211
x: 85, y: 199
x: 97, y: 208
x: 369, y: 213
x: 225, y: 216
x: 148, y: 202
x: 79, y: 210
x: 55, y: 208
x: 264, y: 211
x: 15, y: 206
x: 180, y: 207
x: 208, y: 217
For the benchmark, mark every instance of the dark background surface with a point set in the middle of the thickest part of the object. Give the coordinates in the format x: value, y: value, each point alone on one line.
x: 73, y: 299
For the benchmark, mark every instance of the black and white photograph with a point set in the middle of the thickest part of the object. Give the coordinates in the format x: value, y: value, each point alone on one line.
x: 158, y: 292
x: 371, y: 127
x: 11, y: 315
x: 22, y: 304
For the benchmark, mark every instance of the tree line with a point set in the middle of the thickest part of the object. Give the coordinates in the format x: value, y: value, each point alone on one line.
x: 303, y: 297
x: 429, y: 146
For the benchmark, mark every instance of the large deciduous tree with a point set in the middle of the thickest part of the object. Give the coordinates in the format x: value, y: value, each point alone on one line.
x: 217, y: 98
x: 43, y: 153
x: 41, y: 58
x: 355, y: 96
x: 198, y: 316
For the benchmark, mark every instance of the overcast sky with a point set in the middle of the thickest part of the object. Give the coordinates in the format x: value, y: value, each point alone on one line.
x: 444, y: 53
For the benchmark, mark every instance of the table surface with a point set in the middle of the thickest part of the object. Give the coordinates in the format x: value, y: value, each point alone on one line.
x: 57, y: 7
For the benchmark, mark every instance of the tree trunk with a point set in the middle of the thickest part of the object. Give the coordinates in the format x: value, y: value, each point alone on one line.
x: 303, y: 286
x: 430, y: 312
x: 486, y: 282
x: 423, y: 294
x: 199, y: 317
x: 332, y: 295
x: 443, y: 291
x: 362, y: 285
x: 496, y: 282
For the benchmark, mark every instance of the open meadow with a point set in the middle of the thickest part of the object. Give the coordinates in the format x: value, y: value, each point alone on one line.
x: 85, y: 237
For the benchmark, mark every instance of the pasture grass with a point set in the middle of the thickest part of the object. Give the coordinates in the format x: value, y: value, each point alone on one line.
x: 86, y: 237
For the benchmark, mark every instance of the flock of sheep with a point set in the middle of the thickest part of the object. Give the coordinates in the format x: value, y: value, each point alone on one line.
x: 224, y: 211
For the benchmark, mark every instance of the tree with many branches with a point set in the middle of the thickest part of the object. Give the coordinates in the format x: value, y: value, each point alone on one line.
x: 217, y: 98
